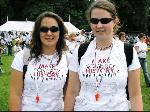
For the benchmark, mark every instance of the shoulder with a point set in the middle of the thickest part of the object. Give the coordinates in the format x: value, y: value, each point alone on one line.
x: 118, y: 45
x: 135, y: 62
x: 67, y: 56
x: 18, y: 61
x: 20, y: 54
x: 138, y: 43
x: 145, y: 44
x: 26, y: 55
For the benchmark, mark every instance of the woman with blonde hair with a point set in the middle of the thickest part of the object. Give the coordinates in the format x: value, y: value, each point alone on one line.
x: 97, y: 82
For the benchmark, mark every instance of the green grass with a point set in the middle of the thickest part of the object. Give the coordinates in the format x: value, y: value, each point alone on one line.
x: 146, y: 90
x: 5, y: 80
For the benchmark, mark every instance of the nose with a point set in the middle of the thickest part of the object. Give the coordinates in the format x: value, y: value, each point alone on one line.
x: 99, y: 24
x: 49, y: 32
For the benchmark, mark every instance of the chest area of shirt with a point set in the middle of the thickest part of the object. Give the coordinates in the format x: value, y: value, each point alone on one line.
x: 106, y: 65
x: 46, y: 71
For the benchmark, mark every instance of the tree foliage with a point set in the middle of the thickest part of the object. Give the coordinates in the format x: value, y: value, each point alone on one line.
x: 134, y: 14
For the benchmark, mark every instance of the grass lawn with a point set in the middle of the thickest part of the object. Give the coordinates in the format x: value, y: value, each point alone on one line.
x: 5, y: 80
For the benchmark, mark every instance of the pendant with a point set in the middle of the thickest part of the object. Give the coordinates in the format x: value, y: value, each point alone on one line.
x: 37, y: 98
x: 97, y: 96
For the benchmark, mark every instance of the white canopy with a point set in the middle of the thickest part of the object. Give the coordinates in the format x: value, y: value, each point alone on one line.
x: 71, y: 28
x: 17, y: 26
x: 28, y: 26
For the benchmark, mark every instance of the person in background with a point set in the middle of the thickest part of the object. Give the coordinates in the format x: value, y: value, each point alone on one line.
x: 122, y: 37
x: 98, y: 83
x: 67, y: 39
x: 41, y: 89
x: 81, y: 37
x: 3, y: 42
x: 10, y: 46
x: 72, y: 44
x: 146, y: 40
x: 17, y: 47
x: 1, y: 52
x: 141, y: 48
x: 136, y: 38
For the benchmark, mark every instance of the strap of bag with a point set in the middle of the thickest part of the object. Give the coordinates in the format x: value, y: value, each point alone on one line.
x: 128, y: 49
x: 82, y: 49
x: 26, y: 59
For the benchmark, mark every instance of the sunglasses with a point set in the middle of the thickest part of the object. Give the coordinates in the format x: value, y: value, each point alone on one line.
x: 102, y: 20
x: 46, y: 29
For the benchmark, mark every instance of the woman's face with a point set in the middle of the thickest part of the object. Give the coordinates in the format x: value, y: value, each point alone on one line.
x: 143, y: 39
x: 49, y: 32
x: 103, y: 29
x: 123, y: 38
x: 72, y: 37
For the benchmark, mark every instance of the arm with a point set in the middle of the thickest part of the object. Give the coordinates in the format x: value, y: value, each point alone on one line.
x: 135, y: 90
x: 16, y: 85
x: 137, y: 48
x: 72, y: 91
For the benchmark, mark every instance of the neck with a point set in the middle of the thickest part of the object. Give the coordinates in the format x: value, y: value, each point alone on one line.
x: 142, y: 41
x: 49, y: 51
x: 102, y: 44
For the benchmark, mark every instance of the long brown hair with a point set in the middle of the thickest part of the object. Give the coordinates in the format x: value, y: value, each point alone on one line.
x: 36, y: 45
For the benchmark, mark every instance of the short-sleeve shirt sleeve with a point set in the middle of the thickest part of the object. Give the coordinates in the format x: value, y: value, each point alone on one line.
x: 74, y: 64
x: 135, y: 62
x: 17, y: 63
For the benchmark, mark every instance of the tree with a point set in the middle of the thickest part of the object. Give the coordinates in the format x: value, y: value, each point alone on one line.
x: 133, y: 15
x: 3, y: 10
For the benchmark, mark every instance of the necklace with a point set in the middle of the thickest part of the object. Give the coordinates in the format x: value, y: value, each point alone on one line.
x: 98, y: 82
x: 37, y: 98
x: 47, y: 57
x: 107, y: 47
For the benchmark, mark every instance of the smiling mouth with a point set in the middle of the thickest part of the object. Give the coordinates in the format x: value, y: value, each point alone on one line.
x: 99, y: 30
x: 49, y: 39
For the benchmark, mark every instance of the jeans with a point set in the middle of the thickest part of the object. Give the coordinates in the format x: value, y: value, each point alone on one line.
x: 143, y: 63
x: 9, y: 50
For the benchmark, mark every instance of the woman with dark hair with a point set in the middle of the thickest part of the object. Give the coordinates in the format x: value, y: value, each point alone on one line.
x: 98, y: 81
x: 45, y: 77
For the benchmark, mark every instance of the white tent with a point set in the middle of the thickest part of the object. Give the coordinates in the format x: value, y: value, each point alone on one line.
x: 28, y: 26
x: 71, y: 28
x: 17, y: 26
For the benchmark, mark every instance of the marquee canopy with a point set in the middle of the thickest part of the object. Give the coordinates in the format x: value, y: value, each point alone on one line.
x: 28, y: 26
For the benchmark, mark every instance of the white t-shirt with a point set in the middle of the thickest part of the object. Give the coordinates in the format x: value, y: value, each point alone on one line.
x: 142, y: 48
x: 44, y: 78
x: 17, y: 49
x: 81, y: 38
x: 109, y: 77
x: 71, y: 45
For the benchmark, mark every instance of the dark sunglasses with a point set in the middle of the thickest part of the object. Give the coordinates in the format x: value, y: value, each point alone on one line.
x: 46, y: 29
x: 102, y: 20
